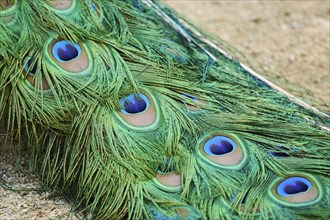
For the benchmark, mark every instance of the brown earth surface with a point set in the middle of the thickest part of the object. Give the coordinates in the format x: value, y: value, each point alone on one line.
x: 289, y: 38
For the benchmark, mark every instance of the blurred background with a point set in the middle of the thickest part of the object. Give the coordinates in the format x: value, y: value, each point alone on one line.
x: 287, y: 40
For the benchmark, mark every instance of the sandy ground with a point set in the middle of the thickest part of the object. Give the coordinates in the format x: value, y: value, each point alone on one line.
x: 289, y: 38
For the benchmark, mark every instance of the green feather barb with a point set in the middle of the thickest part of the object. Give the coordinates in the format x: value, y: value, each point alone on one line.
x: 132, y: 115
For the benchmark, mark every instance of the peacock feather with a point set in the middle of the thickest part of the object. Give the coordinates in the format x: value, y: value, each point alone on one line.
x: 134, y: 113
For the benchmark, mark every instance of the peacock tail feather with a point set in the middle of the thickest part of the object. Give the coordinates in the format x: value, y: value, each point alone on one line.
x: 133, y: 116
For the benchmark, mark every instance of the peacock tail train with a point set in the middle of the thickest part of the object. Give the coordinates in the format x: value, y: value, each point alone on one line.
x: 132, y: 118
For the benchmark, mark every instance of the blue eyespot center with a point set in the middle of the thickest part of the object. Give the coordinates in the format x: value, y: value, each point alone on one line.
x: 29, y: 62
x: 223, y: 147
x: 134, y: 104
x: 219, y: 145
x: 64, y: 51
x: 293, y: 185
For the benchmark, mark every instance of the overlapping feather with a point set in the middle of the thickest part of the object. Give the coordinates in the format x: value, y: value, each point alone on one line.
x: 82, y: 145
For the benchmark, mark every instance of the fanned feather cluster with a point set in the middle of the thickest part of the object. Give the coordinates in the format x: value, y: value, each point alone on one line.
x: 129, y: 119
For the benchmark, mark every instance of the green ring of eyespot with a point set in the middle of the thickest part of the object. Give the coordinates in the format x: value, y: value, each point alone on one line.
x: 28, y: 85
x: 171, y: 189
x: 8, y: 12
x: 67, y: 11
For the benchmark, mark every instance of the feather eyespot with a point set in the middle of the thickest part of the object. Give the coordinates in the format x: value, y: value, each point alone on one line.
x: 169, y: 179
x: 278, y: 154
x: 7, y: 11
x: 187, y: 212
x: 296, y: 190
x: 168, y: 168
x: 182, y: 212
x: 138, y: 111
x: 239, y: 202
x: 60, y: 4
x: 242, y: 201
x: 5, y: 5
x: 223, y: 150
x: 69, y: 56
x: 167, y: 176
x: 283, y: 152
x: 191, y: 97
x: 31, y: 67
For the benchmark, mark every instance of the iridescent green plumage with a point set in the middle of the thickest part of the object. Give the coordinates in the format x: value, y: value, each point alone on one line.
x: 204, y: 139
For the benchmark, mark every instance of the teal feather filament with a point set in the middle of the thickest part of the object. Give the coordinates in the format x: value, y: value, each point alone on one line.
x: 127, y: 88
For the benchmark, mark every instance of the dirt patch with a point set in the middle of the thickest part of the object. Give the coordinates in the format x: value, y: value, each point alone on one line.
x: 289, y: 38
x: 22, y: 195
